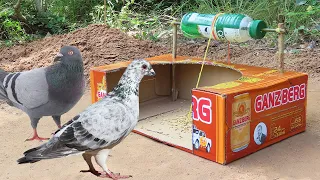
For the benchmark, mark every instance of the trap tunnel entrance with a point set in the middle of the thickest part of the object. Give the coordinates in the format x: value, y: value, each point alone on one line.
x: 160, y: 116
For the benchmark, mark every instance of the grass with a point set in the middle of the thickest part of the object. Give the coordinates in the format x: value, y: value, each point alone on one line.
x: 150, y: 19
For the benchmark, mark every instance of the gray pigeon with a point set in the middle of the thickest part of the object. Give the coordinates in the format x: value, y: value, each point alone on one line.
x: 100, y: 127
x: 48, y: 91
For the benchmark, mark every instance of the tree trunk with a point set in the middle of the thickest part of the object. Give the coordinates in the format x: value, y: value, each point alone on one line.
x: 39, y: 6
x: 45, y: 7
x: 17, y: 12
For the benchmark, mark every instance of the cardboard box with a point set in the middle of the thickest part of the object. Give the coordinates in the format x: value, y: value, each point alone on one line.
x: 237, y: 109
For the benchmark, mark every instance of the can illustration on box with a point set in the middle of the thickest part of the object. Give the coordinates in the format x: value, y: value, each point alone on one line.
x: 102, y: 88
x: 241, y: 117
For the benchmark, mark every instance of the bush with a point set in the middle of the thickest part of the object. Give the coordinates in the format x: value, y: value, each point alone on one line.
x: 10, y: 30
x: 150, y: 19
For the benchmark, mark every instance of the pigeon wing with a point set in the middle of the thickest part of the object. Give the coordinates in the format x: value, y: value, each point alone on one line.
x: 29, y: 88
x: 98, y: 127
x: 93, y: 129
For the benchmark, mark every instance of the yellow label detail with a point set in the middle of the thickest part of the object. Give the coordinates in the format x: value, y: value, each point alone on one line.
x: 225, y: 85
x: 277, y: 131
x: 296, y: 122
x: 249, y: 79
x: 265, y: 73
x: 102, y: 85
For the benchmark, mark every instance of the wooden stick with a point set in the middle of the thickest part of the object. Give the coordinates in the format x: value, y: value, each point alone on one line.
x: 174, y: 45
x: 281, y: 47
x: 273, y: 30
x: 174, y: 55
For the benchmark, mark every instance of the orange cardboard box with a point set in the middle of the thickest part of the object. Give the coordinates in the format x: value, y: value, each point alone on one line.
x: 237, y: 109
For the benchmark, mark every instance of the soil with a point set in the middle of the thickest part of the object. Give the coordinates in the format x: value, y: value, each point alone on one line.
x: 293, y: 158
x: 101, y: 45
x: 98, y: 44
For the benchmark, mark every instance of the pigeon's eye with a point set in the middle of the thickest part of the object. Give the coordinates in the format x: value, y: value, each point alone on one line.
x: 144, y: 66
x: 70, y: 53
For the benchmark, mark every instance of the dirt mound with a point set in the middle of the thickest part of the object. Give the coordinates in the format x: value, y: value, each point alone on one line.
x: 98, y: 44
x: 101, y: 45
x: 258, y: 55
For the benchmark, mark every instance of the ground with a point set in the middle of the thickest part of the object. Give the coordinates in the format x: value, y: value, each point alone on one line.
x: 293, y: 158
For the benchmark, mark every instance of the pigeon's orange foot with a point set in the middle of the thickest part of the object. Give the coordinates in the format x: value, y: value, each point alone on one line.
x: 114, y: 176
x: 37, y: 138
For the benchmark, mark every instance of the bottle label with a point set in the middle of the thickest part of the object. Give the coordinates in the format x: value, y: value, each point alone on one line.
x: 235, y: 33
x: 203, y: 19
x: 205, y: 30
x: 232, y: 35
x: 226, y: 27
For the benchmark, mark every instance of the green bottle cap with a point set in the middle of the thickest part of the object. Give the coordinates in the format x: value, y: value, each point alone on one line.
x: 255, y: 29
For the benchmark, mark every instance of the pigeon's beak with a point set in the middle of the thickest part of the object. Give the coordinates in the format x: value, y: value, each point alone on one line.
x: 152, y: 73
x: 58, y: 57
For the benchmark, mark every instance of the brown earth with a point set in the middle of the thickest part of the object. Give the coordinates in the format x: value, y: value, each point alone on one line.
x: 98, y: 44
x: 101, y: 45
x: 294, y: 158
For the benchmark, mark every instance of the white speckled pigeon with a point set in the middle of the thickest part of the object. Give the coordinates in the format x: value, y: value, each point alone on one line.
x: 48, y: 91
x: 100, y: 127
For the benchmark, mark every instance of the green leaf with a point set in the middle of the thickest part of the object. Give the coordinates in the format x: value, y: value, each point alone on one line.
x: 314, y: 2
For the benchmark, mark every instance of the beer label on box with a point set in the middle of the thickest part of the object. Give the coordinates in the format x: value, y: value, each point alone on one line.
x: 102, y: 88
x: 241, y: 116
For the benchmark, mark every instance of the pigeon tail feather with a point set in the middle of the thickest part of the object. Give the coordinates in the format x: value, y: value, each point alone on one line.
x: 25, y: 160
x: 29, y: 156
x: 3, y: 94
x: 52, y: 149
x: 3, y: 74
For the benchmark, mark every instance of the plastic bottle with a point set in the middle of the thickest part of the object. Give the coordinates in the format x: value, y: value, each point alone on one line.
x: 226, y: 27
